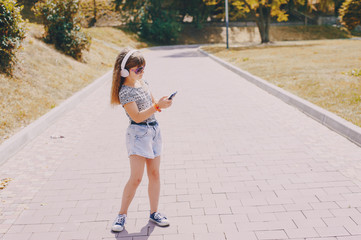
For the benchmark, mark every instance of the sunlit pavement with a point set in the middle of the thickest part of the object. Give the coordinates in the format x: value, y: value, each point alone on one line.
x: 237, y: 163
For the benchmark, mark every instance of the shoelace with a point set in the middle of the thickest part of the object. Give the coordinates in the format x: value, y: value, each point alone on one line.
x: 159, y: 216
x: 121, y: 220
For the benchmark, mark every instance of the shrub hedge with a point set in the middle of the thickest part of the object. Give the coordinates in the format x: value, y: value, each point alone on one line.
x: 62, y: 26
x: 12, y: 33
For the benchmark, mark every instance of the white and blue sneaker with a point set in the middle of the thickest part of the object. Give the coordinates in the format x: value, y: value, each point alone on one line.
x: 159, y: 219
x: 119, y: 222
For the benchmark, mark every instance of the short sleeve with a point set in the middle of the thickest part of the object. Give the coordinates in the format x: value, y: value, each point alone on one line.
x: 126, y: 96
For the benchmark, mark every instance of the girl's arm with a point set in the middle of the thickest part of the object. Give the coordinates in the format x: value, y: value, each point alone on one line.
x: 153, y: 100
x: 136, y: 116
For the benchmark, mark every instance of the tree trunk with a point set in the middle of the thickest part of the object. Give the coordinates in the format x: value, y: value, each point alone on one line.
x: 268, y: 22
x: 95, y: 10
x: 306, y: 4
x: 94, y: 19
x: 338, y: 4
x: 263, y: 22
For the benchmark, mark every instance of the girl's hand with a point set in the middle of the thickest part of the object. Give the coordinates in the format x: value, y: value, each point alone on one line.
x: 164, y: 102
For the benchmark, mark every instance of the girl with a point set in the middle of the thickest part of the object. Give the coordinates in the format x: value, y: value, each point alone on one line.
x: 143, y: 138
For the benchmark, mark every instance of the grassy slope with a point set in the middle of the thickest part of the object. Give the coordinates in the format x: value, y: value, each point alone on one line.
x: 324, y: 72
x: 45, y: 77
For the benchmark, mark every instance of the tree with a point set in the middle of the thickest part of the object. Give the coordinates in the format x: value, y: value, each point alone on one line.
x: 198, y: 10
x: 262, y: 11
x: 324, y: 6
x: 350, y: 13
x: 155, y: 20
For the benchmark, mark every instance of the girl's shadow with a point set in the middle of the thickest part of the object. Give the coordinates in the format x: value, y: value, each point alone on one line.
x: 145, y: 232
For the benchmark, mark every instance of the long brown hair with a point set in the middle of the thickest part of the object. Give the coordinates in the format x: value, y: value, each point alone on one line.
x: 135, y: 60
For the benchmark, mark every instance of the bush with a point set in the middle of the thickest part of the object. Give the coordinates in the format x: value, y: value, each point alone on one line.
x: 350, y: 13
x: 12, y: 32
x: 153, y: 20
x: 62, y: 26
x: 162, y: 30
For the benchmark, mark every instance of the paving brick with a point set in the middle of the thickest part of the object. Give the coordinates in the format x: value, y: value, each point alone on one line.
x: 349, y: 203
x: 73, y: 235
x: 301, y: 233
x: 208, y: 203
x: 353, y: 229
x: 298, y: 207
x: 55, y: 219
x: 221, y: 228
x: 265, y: 226
x: 309, y: 223
x: 254, y: 202
x: 44, y: 235
x: 209, y: 236
x: 65, y: 227
x: 268, y: 235
x: 189, y: 236
x: 332, y: 231
x: 221, y: 210
x: 271, y: 208
x: 264, y: 217
x: 345, y: 212
x: 324, y: 205
x: 192, y: 228
x: 244, y: 209
x: 15, y: 229
x: 188, y: 198
x: 172, y: 229
x: 339, y: 222
x: 240, y: 235
x: 206, y: 219
x: 317, y: 213
x: 234, y: 218
x: 37, y: 228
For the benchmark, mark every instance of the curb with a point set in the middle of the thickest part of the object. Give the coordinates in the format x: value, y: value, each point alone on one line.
x: 171, y: 47
x: 20, y: 139
x: 326, y: 118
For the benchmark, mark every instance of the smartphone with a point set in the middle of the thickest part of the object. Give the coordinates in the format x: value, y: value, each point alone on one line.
x: 172, y: 95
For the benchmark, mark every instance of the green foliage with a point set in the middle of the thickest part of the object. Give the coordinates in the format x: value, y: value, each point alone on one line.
x: 62, y: 26
x: 159, y: 27
x: 12, y: 32
x: 350, y: 13
x: 153, y: 20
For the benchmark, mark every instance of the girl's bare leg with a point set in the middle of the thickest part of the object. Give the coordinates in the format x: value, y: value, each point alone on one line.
x: 137, y: 169
x: 154, y: 183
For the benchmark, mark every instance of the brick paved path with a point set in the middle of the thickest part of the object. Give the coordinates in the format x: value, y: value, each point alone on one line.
x: 237, y: 164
